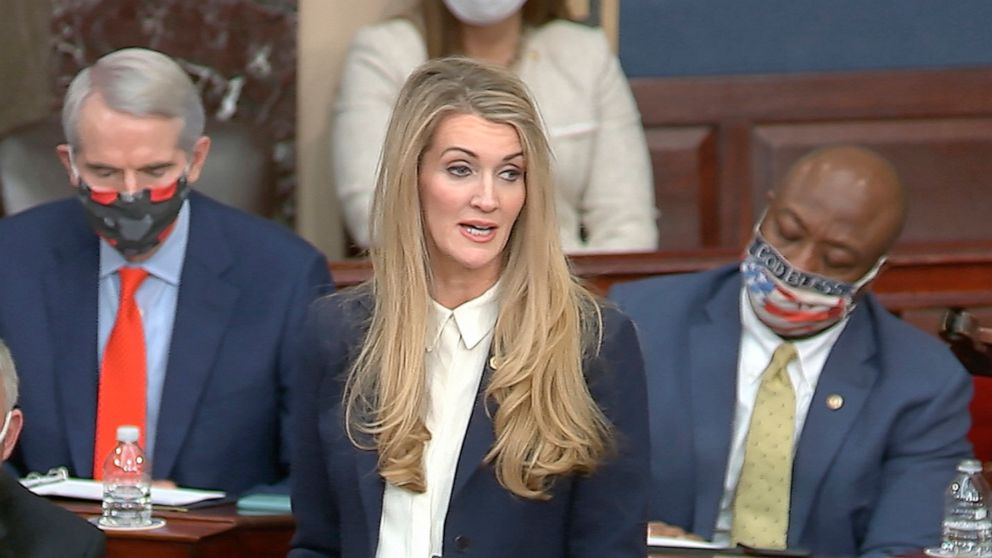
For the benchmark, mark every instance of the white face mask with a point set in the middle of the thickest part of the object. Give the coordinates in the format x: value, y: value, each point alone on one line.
x: 483, y: 12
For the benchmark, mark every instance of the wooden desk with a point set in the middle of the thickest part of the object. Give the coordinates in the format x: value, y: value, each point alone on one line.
x: 219, y: 532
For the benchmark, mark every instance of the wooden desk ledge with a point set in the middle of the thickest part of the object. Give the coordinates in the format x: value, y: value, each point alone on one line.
x: 212, y: 532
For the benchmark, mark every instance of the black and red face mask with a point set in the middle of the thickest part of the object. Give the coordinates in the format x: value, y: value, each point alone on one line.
x: 135, y: 223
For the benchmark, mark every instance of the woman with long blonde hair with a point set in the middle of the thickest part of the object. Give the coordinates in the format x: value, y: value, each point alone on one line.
x: 472, y: 394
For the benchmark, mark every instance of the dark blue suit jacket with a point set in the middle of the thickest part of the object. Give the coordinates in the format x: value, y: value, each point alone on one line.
x: 867, y: 478
x: 33, y: 527
x: 337, y: 491
x: 234, y: 355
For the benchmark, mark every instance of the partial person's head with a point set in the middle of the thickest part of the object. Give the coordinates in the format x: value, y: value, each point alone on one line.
x: 134, y: 126
x: 13, y: 420
x: 445, y: 19
x: 465, y: 182
x: 828, y: 226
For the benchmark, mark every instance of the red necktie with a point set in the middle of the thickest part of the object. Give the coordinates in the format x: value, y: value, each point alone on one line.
x: 122, y: 374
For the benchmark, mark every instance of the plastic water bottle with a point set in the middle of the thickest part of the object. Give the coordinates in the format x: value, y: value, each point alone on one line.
x: 967, y: 525
x: 127, y: 499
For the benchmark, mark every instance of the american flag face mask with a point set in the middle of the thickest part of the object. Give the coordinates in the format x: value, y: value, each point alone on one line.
x: 793, y: 302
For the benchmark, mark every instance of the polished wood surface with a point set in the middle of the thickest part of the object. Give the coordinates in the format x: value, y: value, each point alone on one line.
x: 212, y: 532
x: 718, y: 143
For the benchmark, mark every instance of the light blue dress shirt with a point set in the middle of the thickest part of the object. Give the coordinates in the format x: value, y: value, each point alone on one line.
x: 156, y: 298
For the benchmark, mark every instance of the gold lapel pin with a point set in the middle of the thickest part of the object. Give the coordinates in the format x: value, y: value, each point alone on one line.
x: 834, y: 402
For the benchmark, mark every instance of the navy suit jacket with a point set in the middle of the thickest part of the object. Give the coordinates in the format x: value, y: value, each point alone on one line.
x: 337, y: 490
x: 245, y: 287
x: 867, y: 478
x: 33, y: 527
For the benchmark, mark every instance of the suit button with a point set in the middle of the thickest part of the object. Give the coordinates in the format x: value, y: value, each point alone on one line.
x: 462, y: 543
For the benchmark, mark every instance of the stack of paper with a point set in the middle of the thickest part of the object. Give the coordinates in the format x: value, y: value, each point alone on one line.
x: 93, y: 490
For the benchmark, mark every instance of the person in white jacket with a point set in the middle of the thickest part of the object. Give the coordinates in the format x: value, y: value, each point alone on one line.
x: 604, y: 183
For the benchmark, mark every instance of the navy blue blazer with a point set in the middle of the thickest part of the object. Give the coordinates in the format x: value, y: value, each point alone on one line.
x: 867, y: 478
x: 33, y: 527
x: 337, y: 490
x: 235, y: 351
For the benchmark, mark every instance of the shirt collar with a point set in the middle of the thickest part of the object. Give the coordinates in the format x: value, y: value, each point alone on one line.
x: 165, y: 264
x: 807, y: 349
x: 474, y: 319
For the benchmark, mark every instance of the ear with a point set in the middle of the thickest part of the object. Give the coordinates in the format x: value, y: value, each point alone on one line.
x: 65, y: 155
x: 13, y: 432
x: 200, y: 150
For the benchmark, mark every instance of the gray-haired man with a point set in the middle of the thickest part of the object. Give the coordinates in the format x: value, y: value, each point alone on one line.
x: 144, y: 302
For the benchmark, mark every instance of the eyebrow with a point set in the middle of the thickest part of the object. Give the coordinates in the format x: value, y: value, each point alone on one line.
x: 151, y: 167
x: 100, y: 167
x: 473, y: 155
x: 786, y: 212
x: 802, y: 224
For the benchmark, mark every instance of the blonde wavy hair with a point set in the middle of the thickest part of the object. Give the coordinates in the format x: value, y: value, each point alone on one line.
x: 545, y: 421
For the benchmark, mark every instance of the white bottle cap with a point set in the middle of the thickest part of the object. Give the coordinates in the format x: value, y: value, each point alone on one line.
x: 970, y: 466
x: 128, y: 433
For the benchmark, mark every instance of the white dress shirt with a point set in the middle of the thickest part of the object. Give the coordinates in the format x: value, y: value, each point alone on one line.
x: 757, y: 345
x: 458, y: 341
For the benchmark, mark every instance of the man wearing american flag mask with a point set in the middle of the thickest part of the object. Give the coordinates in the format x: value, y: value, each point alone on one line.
x: 789, y: 409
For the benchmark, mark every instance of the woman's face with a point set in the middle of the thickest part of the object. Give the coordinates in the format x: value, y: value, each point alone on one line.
x: 472, y: 187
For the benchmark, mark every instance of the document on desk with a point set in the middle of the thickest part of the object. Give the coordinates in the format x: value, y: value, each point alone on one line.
x: 84, y: 489
x: 675, y: 542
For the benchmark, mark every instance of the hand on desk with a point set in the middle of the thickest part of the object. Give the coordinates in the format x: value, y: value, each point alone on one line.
x: 164, y: 483
x: 662, y: 529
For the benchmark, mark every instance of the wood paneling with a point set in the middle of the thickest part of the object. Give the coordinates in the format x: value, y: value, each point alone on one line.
x: 945, y: 164
x: 732, y: 138
x: 827, y: 96
x: 683, y: 161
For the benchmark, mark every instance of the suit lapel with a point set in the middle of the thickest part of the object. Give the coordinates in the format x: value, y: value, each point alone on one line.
x: 713, y: 393
x: 848, y: 373
x: 203, y: 309
x: 71, y: 291
x: 371, y: 486
x: 5, y: 543
x: 479, y: 436
x: 8, y: 521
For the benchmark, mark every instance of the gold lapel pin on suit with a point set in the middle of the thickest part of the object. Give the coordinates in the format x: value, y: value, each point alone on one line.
x: 835, y: 401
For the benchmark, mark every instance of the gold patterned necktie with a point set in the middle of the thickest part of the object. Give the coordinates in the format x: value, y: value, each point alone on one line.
x: 761, y: 506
